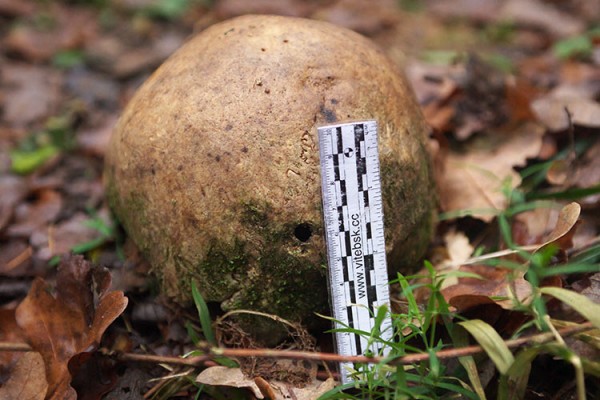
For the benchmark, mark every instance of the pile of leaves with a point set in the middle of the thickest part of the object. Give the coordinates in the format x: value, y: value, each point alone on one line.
x: 511, y: 89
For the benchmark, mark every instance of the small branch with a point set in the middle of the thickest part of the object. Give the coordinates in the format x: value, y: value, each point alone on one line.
x: 211, y: 353
x: 19, y: 259
x: 8, y: 346
x: 408, y: 359
x: 205, y: 360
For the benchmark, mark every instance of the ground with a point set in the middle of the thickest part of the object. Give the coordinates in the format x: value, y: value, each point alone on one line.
x: 510, y: 89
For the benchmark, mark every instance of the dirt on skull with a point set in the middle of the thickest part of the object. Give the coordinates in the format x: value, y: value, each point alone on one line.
x: 213, y: 169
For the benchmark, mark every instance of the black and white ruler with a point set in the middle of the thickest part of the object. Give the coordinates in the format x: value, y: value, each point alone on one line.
x: 353, y: 211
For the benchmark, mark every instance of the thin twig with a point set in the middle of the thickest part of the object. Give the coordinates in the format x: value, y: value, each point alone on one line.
x: 18, y: 259
x: 212, y: 352
x: 407, y: 359
x: 496, y: 254
x: 9, y: 346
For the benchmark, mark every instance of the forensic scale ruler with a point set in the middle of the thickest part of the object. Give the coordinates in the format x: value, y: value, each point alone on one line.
x: 353, y: 211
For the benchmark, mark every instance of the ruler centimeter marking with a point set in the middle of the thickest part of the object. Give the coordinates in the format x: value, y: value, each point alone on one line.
x: 353, y: 213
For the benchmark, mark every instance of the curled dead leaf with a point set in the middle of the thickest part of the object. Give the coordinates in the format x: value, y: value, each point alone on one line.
x: 265, y: 388
x: 314, y: 390
x: 261, y: 388
x: 70, y: 319
x: 504, y: 286
x: 562, y: 234
x: 232, y: 377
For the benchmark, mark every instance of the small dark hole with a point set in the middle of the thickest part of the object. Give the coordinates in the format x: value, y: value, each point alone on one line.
x: 303, y: 232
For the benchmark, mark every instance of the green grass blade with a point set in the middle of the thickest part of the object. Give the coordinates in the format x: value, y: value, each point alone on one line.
x: 492, y: 343
x: 226, y: 362
x: 591, y: 367
x: 337, y: 392
x: 205, y: 320
x: 506, y: 231
x: 88, y: 246
x: 382, y: 313
x: 518, y: 373
x: 459, y: 337
x: 189, y: 328
x: 567, y: 269
x: 407, y: 291
x: 580, y: 303
x: 570, y: 194
x: 589, y: 255
x: 98, y: 224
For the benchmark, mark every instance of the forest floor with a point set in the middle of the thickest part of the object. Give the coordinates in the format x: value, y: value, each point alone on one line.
x: 511, y: 89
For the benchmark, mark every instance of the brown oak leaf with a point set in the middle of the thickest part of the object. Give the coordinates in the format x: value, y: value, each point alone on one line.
x: 68, y: 320
x: 27, y: 380
x: 9, y: 333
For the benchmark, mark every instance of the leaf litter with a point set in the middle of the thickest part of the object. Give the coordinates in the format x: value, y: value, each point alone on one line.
x: 63, y: 322
x: 503, y: 286
x: 493, y: 78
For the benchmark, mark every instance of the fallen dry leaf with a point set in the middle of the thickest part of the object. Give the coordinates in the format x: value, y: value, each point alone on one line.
x: 96, y: 90
x: 314, y: 390
x: 10, y: 333
x: 34, y: 93
x: 562, y: 234
x: 34, y: 216
x: 519, y: 94
x: 551, y: 111
x: 27, y: 380
x: 507, y: 284
x: 433, y: 86
x: 14, y: 8
x: 225, y: 9
x: 592, y: 291
x: 94, y: 375
x: 368, y: 18
x: 71, y: 29
x: 536, y: 224
x: 478, y: 10
x: 587, y: 168
x: 573, y: 171
x: 458, y: 249
x: 503, y: 286
x: 112, y: 55
x: 13, y: 189
x: 69, y: 320
x: 61, y: 238
x: 542, y: 15
x: 473, y: 181
x: 95, y: 141
x: 232, y: 377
